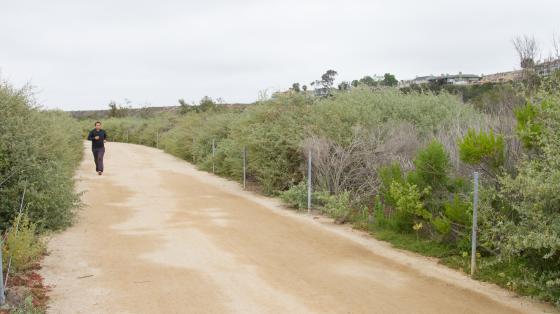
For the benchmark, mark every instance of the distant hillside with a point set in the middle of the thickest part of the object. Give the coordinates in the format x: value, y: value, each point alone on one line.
x: 143, y: 112
x: 137, y: 112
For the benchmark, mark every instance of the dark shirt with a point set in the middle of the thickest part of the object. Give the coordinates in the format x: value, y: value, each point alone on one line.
x: 97, y: 143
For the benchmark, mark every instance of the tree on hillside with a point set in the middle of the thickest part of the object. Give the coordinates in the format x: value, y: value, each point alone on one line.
x: 368, y: 80
x: 326, y: 82
x: 527, y: 49
x: 304, y: 88
x: 556, y: 46
x: 344, y: 86
x: 184, y: 106
x: 327, y: 79
x: 295, y: 87
x: 113, y: 109
x: 355, y: 83
x: 389, y: 80
x: 117, y: 111
x: 206, y: 103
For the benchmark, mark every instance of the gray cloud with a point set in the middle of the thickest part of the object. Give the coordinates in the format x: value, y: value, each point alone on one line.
x: 82, y: 54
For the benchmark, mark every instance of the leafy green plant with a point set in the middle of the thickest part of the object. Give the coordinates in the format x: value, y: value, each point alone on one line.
x: 521, y: 219
x: 22, y: 245
x: 442, y: 225
x: 409, y: 204
x: 28, y: 307
x: 296, y: 196
x: 482, y: 147
x: 458, y: 211
x: 432, y: 166
x: 39, y: 152
x: 337, y: 206
x: 528, y: 128
x: 417, y: 227
x: 387, y: 175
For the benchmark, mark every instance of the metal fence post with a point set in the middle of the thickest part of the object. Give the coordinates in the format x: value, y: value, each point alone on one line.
x: 15, y: 234
x: 474, y: 224
x: 2, y: 296
x: 192, y: 150
x: 213, y: 155
x: 309, y: 183
x: 244, y: 167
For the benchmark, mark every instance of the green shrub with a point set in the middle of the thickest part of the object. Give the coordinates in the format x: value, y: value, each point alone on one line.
x: 432, y: 166
x: 337, y: 206
x: 442, y: 225
x: 458, y: 211
x: 408, y: 204
x: 483, y: 147
x: 528, y: 129
x: 521, y: 219
x: 22, y: 245
x: 39, y: 152
x: 387, y: 175
x: 296, y: 196
x: 380, y: 220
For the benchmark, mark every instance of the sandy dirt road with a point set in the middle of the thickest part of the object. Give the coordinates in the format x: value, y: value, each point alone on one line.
x: 158, y: 236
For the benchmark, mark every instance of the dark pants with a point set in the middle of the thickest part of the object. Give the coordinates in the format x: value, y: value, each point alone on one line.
x: 98, y: 158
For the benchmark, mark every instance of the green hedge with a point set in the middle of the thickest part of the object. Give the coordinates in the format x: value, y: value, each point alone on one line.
x: 39, y: 152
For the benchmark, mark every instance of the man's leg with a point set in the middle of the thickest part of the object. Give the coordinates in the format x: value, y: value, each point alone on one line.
x: 95, y: 158
x: 100, y: 154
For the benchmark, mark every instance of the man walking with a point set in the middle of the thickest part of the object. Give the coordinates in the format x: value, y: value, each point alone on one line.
x: 98, y: 137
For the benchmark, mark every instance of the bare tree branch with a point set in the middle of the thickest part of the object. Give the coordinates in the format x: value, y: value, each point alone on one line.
x: 527, y: 49
x: 352, y: 166
x: 556, y: 45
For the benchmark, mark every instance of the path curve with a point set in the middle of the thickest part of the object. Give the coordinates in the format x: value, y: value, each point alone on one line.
x: 158, y: 236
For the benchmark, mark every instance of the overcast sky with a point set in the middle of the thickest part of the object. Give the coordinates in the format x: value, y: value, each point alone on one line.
x: 83, y: 54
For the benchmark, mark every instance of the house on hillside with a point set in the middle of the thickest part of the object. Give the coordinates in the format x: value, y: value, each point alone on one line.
x: 548, y: 67
x: 423, y: 79
x: 460, y: 79
x: 502, y: 77
x: 416, y: 81
x: 444, y: 79
x: 542, y: 69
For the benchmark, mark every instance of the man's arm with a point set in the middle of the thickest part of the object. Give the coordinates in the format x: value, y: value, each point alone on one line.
x: 90, y: 136
x: 105, y: 137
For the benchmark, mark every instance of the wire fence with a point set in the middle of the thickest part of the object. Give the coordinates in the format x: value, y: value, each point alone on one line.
x: 474, y: 223
x: 309, y: 177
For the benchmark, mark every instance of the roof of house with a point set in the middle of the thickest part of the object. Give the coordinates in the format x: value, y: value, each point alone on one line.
x: 446, y: 76
x: 462, y: 76
x: 421, y: 78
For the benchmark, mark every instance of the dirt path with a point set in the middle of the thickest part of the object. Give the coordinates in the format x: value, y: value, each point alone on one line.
x: 158, y: 236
